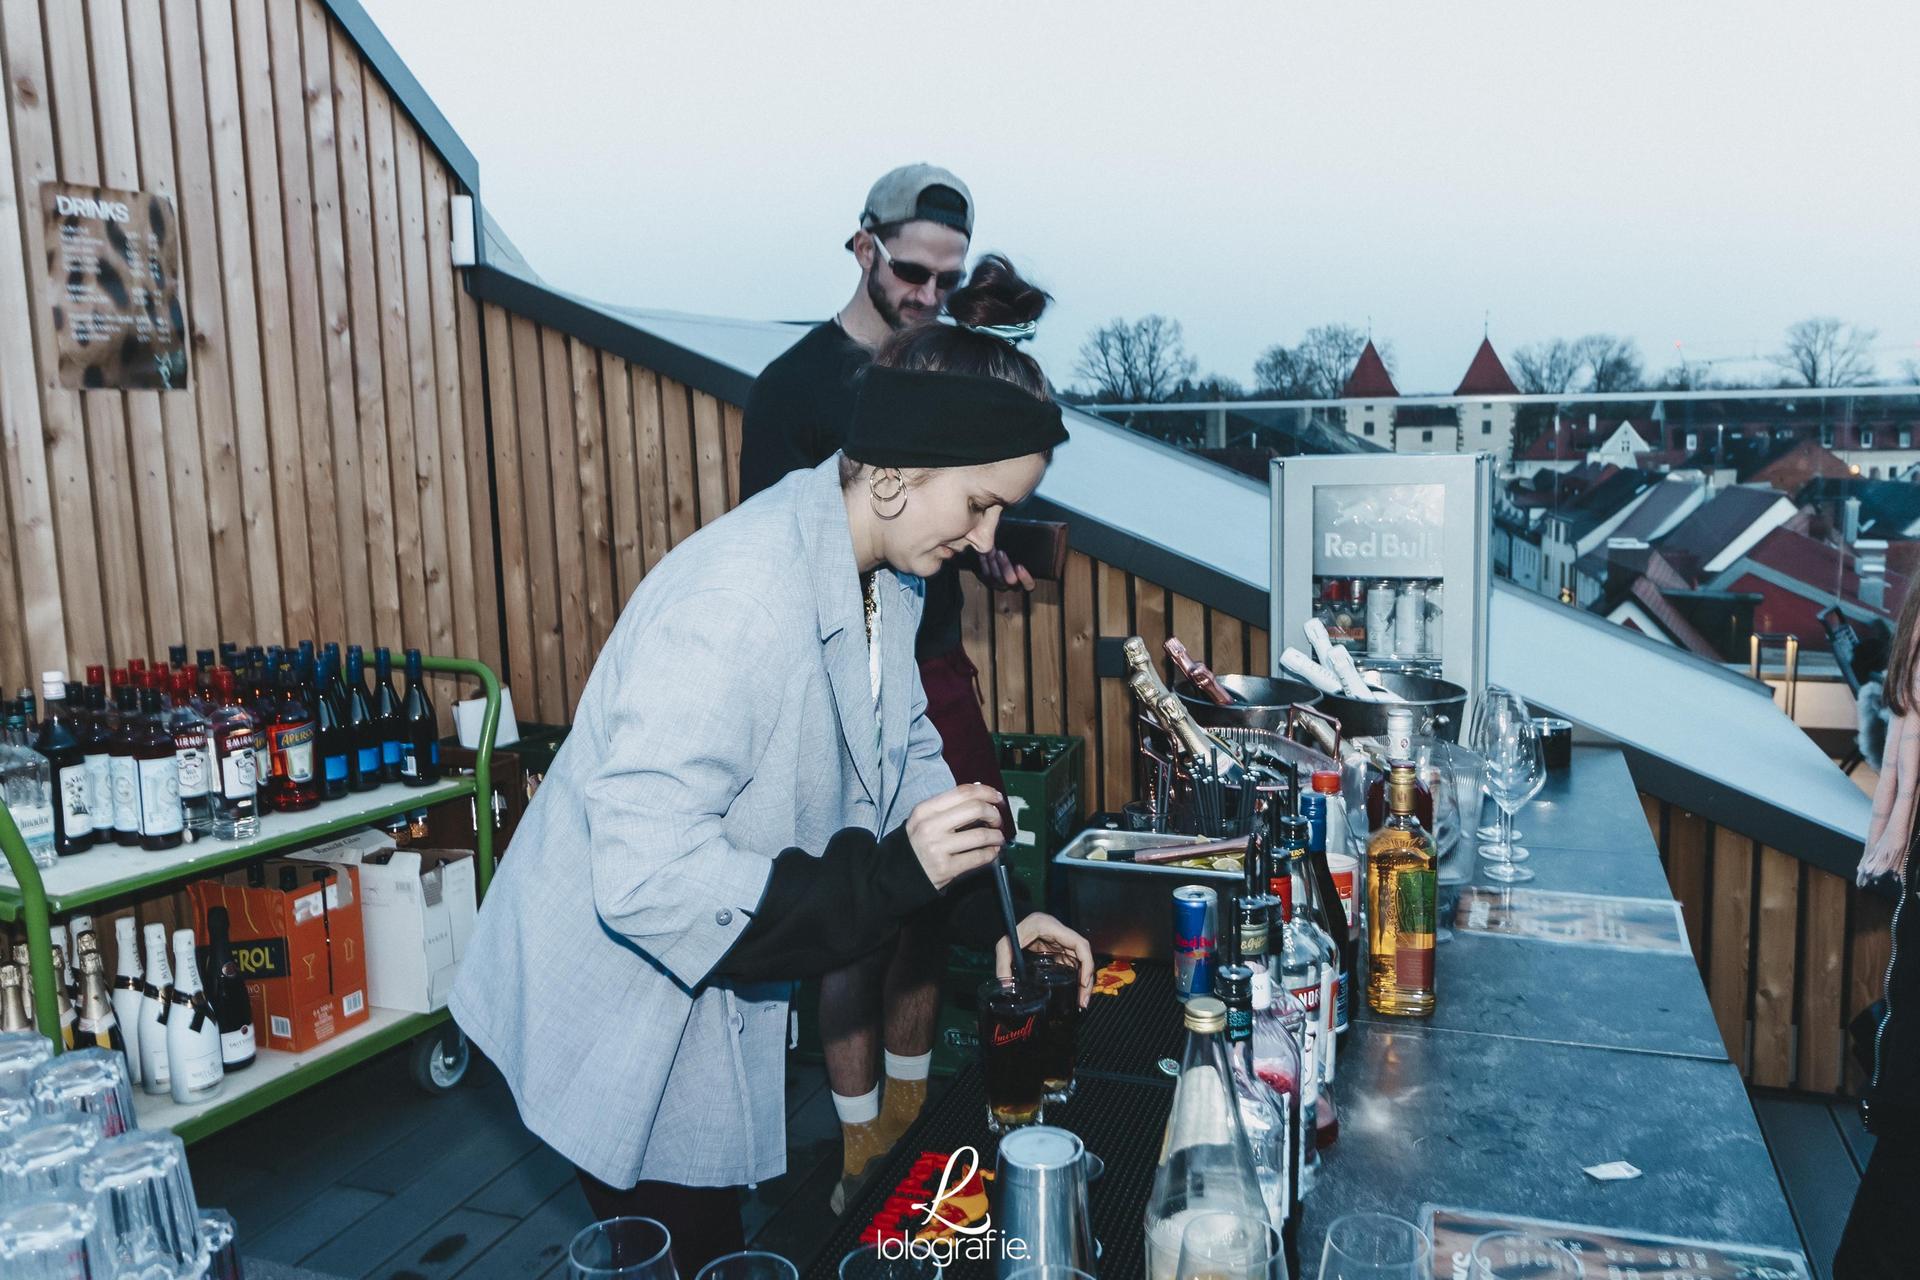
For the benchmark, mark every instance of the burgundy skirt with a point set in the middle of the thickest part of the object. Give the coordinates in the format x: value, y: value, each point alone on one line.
x: 953, y: 704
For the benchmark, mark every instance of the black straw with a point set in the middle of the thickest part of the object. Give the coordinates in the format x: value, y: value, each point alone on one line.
x: 1006, y: 915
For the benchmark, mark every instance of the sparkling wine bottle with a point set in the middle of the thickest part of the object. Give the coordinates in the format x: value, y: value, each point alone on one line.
x: 227, y: 994
x: 96, y: 1026
x: 193, y: 1032
x: 13, y: 1003
x: 155, y: 1002
x: 127, y: 991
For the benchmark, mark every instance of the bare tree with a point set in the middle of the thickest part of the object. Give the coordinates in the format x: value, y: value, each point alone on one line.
x: 1547, y: 368
x: 1316, y: 368
x: 1910, y: 371
x: 1214, y: 386
x: 1135, y: 363
x: 1612, y: 362
x: 1823, y: 352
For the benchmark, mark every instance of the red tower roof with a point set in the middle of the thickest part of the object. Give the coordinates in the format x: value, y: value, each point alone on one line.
x: 1486, y: 376
x: 1369, y: 379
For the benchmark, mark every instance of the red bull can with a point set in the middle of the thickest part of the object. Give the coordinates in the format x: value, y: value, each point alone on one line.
x: 1196, y: 929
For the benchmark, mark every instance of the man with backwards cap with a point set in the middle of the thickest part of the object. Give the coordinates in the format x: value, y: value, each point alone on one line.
x: 911, y: 247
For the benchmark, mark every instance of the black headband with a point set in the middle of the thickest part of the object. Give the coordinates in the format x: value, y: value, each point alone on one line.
x: 918, y: 418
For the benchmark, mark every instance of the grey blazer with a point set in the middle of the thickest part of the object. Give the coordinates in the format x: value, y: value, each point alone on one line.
x: 730, y: 716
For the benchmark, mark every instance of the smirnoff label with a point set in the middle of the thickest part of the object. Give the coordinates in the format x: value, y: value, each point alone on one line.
x: 190, y: 754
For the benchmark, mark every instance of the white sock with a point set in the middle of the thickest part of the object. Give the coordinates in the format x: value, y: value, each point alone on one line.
x: 907, y: 1066
x: 861, y: 1108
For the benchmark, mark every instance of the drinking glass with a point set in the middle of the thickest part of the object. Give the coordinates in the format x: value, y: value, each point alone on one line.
x: 14, y: 1112
x: 1521, y: 1255
x: 216, y: 1241
x: 867, y: 1263
x: 1488, y: 831
x: 51, y: 1238
x: 144, y: 1195
x: 1011, y: 1050
x: 44, y: 1156
x: 1508, y: 740
x: 21, y: 1053
x: 749, y: 1265
x: 90, y: 1080
x: 622, y: 1249
x: 1059, y: 1035
x: 1230, y: 1246
x: 1375, y: 1246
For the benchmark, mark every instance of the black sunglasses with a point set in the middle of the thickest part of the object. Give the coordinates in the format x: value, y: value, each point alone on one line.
x: 914, y: 274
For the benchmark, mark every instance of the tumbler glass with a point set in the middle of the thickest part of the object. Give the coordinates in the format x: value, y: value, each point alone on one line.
x: 14, y: 1112
x: 93, y: 1081
x: 21, y: 1053
x: 1060, y: 1029
x: 751, y: 1264
x: 1375, y: 1246
x: 44, y: 1156
x: 1522, y: 1255
x: 1230, y: 1246
x: 622, y: 1249
x: 216, y: 1241
x: 50, y: 1238
x: 144, y: 1196
x: 1011, y: 1050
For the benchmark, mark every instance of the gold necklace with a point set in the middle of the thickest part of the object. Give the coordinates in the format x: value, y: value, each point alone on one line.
x: 872, y: 603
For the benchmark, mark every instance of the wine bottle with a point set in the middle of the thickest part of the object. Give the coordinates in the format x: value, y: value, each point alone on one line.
x: 363, y: 773
x: 158, y: 774
x: 13, y: 1004
x: 156, y: 998
x: 188, y: 726
x: 420, y: 750
x: 127, y: 989
x: 126, y: 774
x: 227, y: 993
x: 235, y: 737
x: 386, y: 715
x: 193, y: 1032
x: 331, y: 734
x: 96, y: 741
x: 295, y: 780
x: 73, y: 817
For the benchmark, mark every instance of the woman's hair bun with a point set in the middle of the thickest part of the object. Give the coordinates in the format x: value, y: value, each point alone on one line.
x: 996, y: 294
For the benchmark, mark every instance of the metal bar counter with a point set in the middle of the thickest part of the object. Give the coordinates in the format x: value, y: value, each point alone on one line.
x: 1543, y: 1059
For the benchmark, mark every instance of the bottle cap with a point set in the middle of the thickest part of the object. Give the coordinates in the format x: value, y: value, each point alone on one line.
x: 53, y: 685
x: 1204, y: 1013
x: 1326, y: 782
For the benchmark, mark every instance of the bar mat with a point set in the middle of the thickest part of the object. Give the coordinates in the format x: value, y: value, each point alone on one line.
x: 1121, y: 1121
x: 1128, y: 1032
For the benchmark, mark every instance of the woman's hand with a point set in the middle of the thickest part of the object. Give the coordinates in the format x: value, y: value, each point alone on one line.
x: 998, y: 571
x: 1040, y: 932
x: 956, y: 832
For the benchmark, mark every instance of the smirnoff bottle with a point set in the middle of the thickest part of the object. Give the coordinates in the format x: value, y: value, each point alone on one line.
x: 127, y: 991
x: 193, y: 1032
x: 190, y: 755
x: 234, y: 735
x: 155, y: 1002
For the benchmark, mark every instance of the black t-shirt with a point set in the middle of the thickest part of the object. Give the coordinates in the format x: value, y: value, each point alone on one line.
x: 797, y: 416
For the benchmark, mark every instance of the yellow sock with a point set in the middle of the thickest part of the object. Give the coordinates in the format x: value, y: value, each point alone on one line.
x: 906, y: 1092
x: 861, y: 1144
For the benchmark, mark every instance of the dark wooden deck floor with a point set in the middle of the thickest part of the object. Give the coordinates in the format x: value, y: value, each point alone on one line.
x: 1819, y: 1148
x: 366, y: 1176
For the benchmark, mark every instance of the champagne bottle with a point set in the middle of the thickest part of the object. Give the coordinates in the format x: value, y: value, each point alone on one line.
x: 363, y: 773
x: 66, y: 1002
x: 23, y: 960
x: 126, y: 773
x: 158, y: 773
x: 13, y: 1004
x: 73, y: 817
x: 235, y: 737
x: 227, y: 994
x: 420, y: 750
x: 386, y: 715
x: 127, y: 990
x: 96, y: 1027
x: 1172, y: 715
x: 1198, y: 674
x: 155, y: 1001
x: 193, y: 1032
x: 1402, y: 907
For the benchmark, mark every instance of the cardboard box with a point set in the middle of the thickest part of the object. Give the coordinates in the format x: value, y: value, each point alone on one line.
x: 297, y: 936
x: 417, y: 907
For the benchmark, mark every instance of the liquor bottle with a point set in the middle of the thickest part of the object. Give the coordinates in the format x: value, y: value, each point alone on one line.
x: 235, y: 737
x: 386, y: 715
x: 158, y: 774
x: 363, y: 770
x: 260, y: 694
x: 156, y: 1000
x: 1399, y: 749
x: 227, y: 993
x: 13, y: 1004
x: 96, y: 743
x: 66, y: 1001
x: 24, y: 700
x: 420, y: 748
x: 127, y: 990
x: 176, y: 658
x: 290, y: 734
x: 1402, y: 888
x: 1262, y: 1114
x: 59, y: 745
x: 1198, y: 673
x: 1206, y: 1165
x: 332, y: 737
x: 96, y: 1026
x: 1307, y: 929
x: 1323, y: 900
x: 26, y: 784
x: 193, y: 1032
x: 126, y: 774
x: 187, y: 724
x: 1278, y: 1021
x: 203, y: 673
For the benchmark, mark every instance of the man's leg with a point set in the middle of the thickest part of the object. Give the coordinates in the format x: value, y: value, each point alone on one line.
x: 850, y: 1039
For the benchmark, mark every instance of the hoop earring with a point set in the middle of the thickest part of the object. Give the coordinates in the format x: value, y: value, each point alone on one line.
x: 887, y: 491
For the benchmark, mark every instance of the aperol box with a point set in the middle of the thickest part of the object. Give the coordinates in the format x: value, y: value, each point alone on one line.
x: 301, y: 946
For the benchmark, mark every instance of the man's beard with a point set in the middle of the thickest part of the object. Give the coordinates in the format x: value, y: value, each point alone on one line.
x: 888, y: 312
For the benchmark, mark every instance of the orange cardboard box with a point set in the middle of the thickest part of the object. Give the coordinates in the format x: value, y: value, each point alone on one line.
x: 298, y: 938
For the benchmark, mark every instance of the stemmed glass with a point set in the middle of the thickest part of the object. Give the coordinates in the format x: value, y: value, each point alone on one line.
x: 1375, y: 1246
x: 622, y: 1249
x: 1508, y: 740
x: 1489, y: 831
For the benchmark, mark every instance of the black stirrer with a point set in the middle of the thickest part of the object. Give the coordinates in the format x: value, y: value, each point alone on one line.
x: 1006, y: 915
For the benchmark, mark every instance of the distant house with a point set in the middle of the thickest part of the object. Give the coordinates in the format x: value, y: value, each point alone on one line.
x: 1371, y: 410
x: 1877, y: 450
x: 1623, y: 445
x: 1572, y: 531
x: 1725, y: 527
x: 1804, y: 461
x: 1887, y: 509
x: 1798, y: 578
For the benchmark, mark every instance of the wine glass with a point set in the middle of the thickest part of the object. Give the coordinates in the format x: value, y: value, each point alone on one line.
x: 1521, y: 1255
x: 1229, y: 1246
x: 1515, y: 771
x: 1375, y: 1246
x: 868, y: 1262
x: 750, y: 1264
x: 622, y: 1249
x: 1488, y: 831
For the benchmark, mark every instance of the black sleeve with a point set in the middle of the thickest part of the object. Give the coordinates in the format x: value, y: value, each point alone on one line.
x: 775, y: 436
x: 973, y: 918
x: 819, y: 914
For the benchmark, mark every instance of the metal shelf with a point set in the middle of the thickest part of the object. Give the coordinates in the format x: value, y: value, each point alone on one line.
x: 30, y: 895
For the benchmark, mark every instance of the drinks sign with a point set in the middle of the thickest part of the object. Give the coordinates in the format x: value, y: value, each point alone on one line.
x: 1602, y: 1251
x: 1578, y: 919
x: 113, y: 281
x: 1379, y: 530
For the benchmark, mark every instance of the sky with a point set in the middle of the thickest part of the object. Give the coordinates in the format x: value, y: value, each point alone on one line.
x: 1701, y: 174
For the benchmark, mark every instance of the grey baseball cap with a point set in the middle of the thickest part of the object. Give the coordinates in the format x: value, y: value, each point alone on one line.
x: 919, y: 192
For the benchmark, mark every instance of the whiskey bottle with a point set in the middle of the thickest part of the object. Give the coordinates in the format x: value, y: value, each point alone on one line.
x: 1402, y: 906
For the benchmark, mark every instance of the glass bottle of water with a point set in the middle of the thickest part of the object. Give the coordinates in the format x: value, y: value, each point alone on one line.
x: 26, y: 784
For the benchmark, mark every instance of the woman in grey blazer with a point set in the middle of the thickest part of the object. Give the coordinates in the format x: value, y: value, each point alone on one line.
x: 752, y: 793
